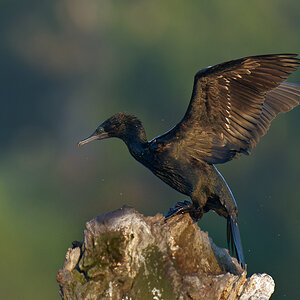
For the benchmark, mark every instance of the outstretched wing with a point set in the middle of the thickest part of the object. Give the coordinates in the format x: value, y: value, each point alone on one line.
x: 233, y: 104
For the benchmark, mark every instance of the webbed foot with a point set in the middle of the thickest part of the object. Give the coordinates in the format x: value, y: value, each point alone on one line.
x: 183, y: 207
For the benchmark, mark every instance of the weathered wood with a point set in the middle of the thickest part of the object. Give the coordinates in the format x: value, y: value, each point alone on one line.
x: 128, y: 256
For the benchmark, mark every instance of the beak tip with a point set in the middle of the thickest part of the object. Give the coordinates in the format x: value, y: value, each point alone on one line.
x: 91, y: 138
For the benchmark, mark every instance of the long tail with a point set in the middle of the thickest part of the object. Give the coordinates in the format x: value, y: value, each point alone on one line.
x: 234, y: 240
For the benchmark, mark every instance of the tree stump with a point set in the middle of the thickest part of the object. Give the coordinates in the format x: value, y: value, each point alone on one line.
x: 128, y: 256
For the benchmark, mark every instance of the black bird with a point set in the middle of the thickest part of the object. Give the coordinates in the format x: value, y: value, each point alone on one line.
x: 231, y: 107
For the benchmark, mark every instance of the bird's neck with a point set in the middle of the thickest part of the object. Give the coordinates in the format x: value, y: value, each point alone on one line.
x: 136, y: 141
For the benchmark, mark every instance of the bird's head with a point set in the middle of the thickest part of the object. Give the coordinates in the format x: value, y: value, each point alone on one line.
x: 120, y: 125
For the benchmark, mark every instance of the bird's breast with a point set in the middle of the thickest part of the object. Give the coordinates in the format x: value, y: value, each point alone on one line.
x: 176, y: 170
x: 176, y: 173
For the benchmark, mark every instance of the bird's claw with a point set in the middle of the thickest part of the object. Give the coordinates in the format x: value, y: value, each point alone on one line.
x: 181, y: 207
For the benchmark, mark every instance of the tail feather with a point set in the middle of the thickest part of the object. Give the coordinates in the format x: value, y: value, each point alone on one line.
x: 234, y: 240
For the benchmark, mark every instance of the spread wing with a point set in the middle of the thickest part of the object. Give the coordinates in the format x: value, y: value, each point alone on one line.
x: 233, y: 104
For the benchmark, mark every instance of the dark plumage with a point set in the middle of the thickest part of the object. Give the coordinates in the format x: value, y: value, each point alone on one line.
x: 231, y: 107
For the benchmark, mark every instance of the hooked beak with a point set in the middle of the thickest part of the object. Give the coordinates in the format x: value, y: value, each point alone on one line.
x: 93, y: 137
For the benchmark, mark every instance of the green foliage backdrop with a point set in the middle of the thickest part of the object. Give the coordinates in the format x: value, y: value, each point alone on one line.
x: 66, y: 65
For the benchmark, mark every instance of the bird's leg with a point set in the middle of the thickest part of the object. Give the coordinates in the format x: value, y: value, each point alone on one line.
x: 183, y: 207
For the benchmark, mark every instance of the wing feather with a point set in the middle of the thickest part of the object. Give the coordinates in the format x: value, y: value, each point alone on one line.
x: 233, y: 104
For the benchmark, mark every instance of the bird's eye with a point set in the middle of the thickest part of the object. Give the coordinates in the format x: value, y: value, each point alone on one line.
x: 100, y: 130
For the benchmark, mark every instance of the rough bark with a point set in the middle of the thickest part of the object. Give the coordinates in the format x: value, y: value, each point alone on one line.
x: 128, y: 256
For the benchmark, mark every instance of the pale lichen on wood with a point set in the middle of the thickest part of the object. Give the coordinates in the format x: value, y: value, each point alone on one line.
x: 128, y: 256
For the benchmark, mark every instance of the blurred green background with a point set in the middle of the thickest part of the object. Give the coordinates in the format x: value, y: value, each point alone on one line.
x: 67, y: 65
